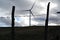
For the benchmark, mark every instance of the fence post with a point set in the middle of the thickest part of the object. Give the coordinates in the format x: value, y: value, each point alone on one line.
x: 13, y: 29
x: 46, y: 22
x: 57, y: 37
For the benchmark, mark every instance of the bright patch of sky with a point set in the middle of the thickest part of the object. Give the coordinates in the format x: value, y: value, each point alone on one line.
x: 18, y: 19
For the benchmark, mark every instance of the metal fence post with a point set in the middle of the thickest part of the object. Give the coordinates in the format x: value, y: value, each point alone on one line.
x: 13, y: 29
x: 46, y: 22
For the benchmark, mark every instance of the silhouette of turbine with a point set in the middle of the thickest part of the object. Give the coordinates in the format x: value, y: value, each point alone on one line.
x: 46, y: 21
x: 30, y: 10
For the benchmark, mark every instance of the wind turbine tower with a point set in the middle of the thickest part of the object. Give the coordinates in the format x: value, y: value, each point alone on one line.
x: 30, y: 10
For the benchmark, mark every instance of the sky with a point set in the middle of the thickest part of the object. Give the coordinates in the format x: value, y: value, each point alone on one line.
x: 22, y: 17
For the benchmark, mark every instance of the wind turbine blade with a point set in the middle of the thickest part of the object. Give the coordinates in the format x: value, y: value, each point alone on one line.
x: 33, y: 5
x: 21, y: 10
x: 31, y: 13
x: 58, y: 12
x: 24, y: 10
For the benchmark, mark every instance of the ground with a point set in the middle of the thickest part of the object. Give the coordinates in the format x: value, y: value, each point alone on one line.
x: 30, y: 33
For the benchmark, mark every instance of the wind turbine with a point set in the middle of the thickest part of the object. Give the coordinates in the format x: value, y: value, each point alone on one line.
x: 30, y: 10
x: 46, y: 21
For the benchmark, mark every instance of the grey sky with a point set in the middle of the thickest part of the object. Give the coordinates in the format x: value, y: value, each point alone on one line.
x: 40, y: 8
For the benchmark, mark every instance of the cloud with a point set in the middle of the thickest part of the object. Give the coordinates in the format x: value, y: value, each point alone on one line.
x: 40, y: 8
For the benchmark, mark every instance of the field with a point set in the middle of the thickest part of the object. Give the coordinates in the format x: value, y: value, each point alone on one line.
x: 30, y: 33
